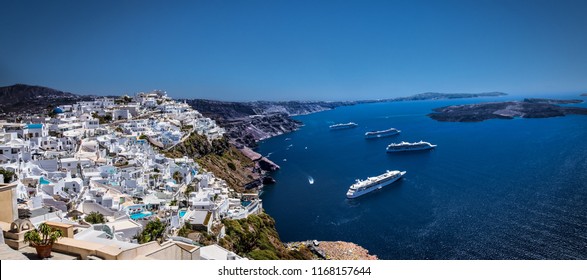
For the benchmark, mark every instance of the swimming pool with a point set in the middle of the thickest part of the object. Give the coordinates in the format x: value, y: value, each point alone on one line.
x: 141, y: 215
x: 245, y: 203
x: 43, y: 181
x: 181, y: 213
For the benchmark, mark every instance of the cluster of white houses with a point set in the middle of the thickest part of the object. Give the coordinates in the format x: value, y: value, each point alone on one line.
x: 69, y: 165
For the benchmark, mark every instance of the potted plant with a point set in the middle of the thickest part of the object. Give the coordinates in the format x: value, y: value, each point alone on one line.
x: 42, y: 239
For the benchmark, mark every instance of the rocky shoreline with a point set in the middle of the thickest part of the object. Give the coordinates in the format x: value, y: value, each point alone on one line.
x: 340, y: 250
x: 251, y: 129
x: 528, y: 108
x: 333, y: 250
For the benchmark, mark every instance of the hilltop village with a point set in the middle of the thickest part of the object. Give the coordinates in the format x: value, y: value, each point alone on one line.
x: 121, y: 179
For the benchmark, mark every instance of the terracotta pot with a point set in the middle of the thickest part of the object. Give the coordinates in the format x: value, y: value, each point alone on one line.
x: 44, y: 251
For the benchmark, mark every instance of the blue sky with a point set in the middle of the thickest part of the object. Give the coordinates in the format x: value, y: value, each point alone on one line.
x: 295, y: 50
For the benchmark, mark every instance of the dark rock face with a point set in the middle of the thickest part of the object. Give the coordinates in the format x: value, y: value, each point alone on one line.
x: 268, y: 180
x: 504, y: 110
x: 251, y: 129
x: 294, y: 108
x: 248, y: 122
x: 27, y: 99
x: 223, y: 110
x: 267, y: 165
x: 552, y: 101
x: 254, y: 184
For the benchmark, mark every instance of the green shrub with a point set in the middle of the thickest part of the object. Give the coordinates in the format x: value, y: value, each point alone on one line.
x: 44, y: 235
x: 8, y: 175
x: 263, y: 255
x: 153, y: 231
x: 185, y: 230
x: 95, y: 218
x: 231, y: 166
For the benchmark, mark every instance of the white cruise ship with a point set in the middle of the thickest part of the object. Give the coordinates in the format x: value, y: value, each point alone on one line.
x: 343, y: 125
x: 406, y: 146
x: 362, y: 187
x: 381, y: 133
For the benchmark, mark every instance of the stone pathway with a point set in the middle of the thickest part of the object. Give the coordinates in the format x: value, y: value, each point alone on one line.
x: 7, y: 253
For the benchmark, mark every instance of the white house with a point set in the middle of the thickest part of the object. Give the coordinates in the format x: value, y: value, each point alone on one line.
x: 70, y: 185
x: 35, y: 130
x: 121, y: 115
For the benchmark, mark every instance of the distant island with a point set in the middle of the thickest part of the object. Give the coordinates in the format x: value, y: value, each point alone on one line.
x: 528, y: 108
x: 584, y: 94
x: 437, y: 96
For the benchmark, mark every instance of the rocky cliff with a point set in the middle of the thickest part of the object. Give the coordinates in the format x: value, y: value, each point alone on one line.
x: 250, y: 129
x: 223, y: 110
x: 256, y: 238
x: 248, y: 122
x: 219, y: 157
x: 27, y: 99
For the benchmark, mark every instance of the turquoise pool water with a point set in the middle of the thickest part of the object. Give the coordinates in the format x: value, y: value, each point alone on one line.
x: 141, y: 215
x: 245, y: 203
x: 34, y: 125
x: 182, y: 213
x: 43, y: 181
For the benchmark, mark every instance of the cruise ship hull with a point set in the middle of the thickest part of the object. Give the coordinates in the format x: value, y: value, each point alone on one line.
x: 411, y: 149
x: 373, y: 135
x: 342, y: 127
x: 357, y: 193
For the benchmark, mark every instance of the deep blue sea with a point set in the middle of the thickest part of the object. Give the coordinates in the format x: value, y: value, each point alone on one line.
x: 498, y: 189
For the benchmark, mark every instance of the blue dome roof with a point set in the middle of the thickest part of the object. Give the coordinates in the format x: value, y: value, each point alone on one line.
x: 58, y: 110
